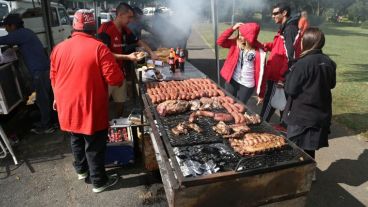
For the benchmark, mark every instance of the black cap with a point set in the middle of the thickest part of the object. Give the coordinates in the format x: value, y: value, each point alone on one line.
x: 12, y: 19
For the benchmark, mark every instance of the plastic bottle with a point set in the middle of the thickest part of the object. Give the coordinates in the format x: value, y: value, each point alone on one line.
x: 172, y: 61
x: 181, y: 60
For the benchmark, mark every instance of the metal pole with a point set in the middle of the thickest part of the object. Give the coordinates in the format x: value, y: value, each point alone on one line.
x: 233, y: 16
x: 215, y: 30
x: 96, y: 17
x: 45, y: 5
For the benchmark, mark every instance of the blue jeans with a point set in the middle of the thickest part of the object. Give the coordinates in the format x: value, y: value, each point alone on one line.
x: 44, y: 99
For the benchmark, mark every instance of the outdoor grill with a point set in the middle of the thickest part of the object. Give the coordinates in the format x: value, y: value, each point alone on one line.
x: 202, y: 169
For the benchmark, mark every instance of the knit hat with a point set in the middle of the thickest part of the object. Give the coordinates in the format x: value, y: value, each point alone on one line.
x: 84, y: 20
x: 250, y: 33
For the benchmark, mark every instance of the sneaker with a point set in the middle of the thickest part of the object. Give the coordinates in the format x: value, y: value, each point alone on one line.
x: 112, y: 180
x: 43, y: 131
x: 82, y: 176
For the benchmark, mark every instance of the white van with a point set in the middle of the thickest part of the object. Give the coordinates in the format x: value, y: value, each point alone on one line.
x: 31, y: 13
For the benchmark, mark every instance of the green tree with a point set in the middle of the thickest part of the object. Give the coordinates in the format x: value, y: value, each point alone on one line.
x: 358, y: 11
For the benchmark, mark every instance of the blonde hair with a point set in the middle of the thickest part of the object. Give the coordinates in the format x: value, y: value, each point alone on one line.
x: 244, y: 45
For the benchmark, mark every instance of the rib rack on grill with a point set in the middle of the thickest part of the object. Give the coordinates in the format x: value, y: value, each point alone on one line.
x: 253, y: 143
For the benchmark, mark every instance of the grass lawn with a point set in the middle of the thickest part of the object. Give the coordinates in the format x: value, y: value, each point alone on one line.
x: 348, y: 47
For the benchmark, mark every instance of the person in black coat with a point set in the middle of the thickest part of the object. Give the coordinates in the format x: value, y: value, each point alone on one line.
x: 308, y: 85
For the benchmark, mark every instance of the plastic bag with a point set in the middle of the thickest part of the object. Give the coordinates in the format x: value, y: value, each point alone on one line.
x: 278, y: 100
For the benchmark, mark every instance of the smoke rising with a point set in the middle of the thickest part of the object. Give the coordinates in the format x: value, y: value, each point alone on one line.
x: 175, y: 28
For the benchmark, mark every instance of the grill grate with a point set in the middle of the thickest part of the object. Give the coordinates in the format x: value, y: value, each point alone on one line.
x: 285, y: 155
x: 201, y: 147
x: 222, y: 155
x: 192, y: 138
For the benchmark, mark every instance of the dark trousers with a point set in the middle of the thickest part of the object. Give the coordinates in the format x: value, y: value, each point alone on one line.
x: 239, y: 91
x: 89, y: 155
x: 44, y: 99
x: 267, y: 110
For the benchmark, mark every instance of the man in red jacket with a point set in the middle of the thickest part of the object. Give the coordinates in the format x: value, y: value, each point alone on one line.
x: 81, y: 68
x: 284, y: 49
x: 122, y: 43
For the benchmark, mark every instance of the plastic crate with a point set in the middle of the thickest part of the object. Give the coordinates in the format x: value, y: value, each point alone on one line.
x: 119, y: 153
x: 120, y: 146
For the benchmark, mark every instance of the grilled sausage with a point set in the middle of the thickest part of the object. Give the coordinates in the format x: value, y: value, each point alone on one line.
x: 241, y: 108
x: 227, y: 107
x: 229, y: 99
x: 205, y: 113
x: 223, y: 117
x: 220, y: 92
x: 192, y: 117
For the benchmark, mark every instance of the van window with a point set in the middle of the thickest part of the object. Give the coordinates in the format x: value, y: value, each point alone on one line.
x: 54, y: 18
x: 4, y: 10
x: 64, y: 18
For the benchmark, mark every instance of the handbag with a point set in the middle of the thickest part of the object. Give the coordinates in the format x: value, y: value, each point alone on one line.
x: 278, y: 100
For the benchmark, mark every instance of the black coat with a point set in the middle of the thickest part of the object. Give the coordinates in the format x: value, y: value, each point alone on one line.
x: 308, y: 86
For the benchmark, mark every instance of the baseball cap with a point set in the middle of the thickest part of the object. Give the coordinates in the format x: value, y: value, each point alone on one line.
x: 13, y: 18
x: 84, y: 20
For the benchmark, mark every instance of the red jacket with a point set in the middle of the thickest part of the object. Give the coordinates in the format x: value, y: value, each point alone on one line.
x: 285, y: 48
x: 231, y: 61
x: 81, y: 68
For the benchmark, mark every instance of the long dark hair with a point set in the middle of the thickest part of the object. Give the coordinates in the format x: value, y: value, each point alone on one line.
x: 313, y: 39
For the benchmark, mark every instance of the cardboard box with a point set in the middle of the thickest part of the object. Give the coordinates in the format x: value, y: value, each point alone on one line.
x: 149, y: 155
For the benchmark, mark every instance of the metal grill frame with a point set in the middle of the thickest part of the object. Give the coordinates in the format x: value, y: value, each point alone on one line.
x: 160, y: 132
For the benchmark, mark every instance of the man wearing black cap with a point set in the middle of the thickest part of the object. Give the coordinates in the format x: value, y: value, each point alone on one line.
x: 38, y: 64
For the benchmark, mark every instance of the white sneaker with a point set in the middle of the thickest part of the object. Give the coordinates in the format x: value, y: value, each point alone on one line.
x: 82, y: 176
x: 112, y: 180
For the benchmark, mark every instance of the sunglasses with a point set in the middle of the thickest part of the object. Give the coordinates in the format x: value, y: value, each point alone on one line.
x: 276, y: 13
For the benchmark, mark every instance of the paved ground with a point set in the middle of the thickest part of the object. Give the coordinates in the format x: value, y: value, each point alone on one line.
x: 342, y: 168
x: 46, y: 177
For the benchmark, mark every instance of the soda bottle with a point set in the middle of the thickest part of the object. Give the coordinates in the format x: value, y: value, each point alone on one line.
x: 177, y: 55
x: 172, y: 62
x: 181, y: 60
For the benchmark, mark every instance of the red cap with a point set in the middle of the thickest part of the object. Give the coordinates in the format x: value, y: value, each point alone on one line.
x: 250, y: 32
x: 84, y: 20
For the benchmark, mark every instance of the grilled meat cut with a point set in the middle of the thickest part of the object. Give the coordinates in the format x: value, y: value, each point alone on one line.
x: 195, y: 105
x: 236, y: 135
x: 252, y: 119
x: 172, y: 107
x: 222, y: 128
x: 184, y: 127
x: 253, y: 143
x: 181, y: 128
x: 195, y: 127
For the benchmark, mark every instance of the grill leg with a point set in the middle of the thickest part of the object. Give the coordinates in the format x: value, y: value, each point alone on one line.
x: 7, y: 144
